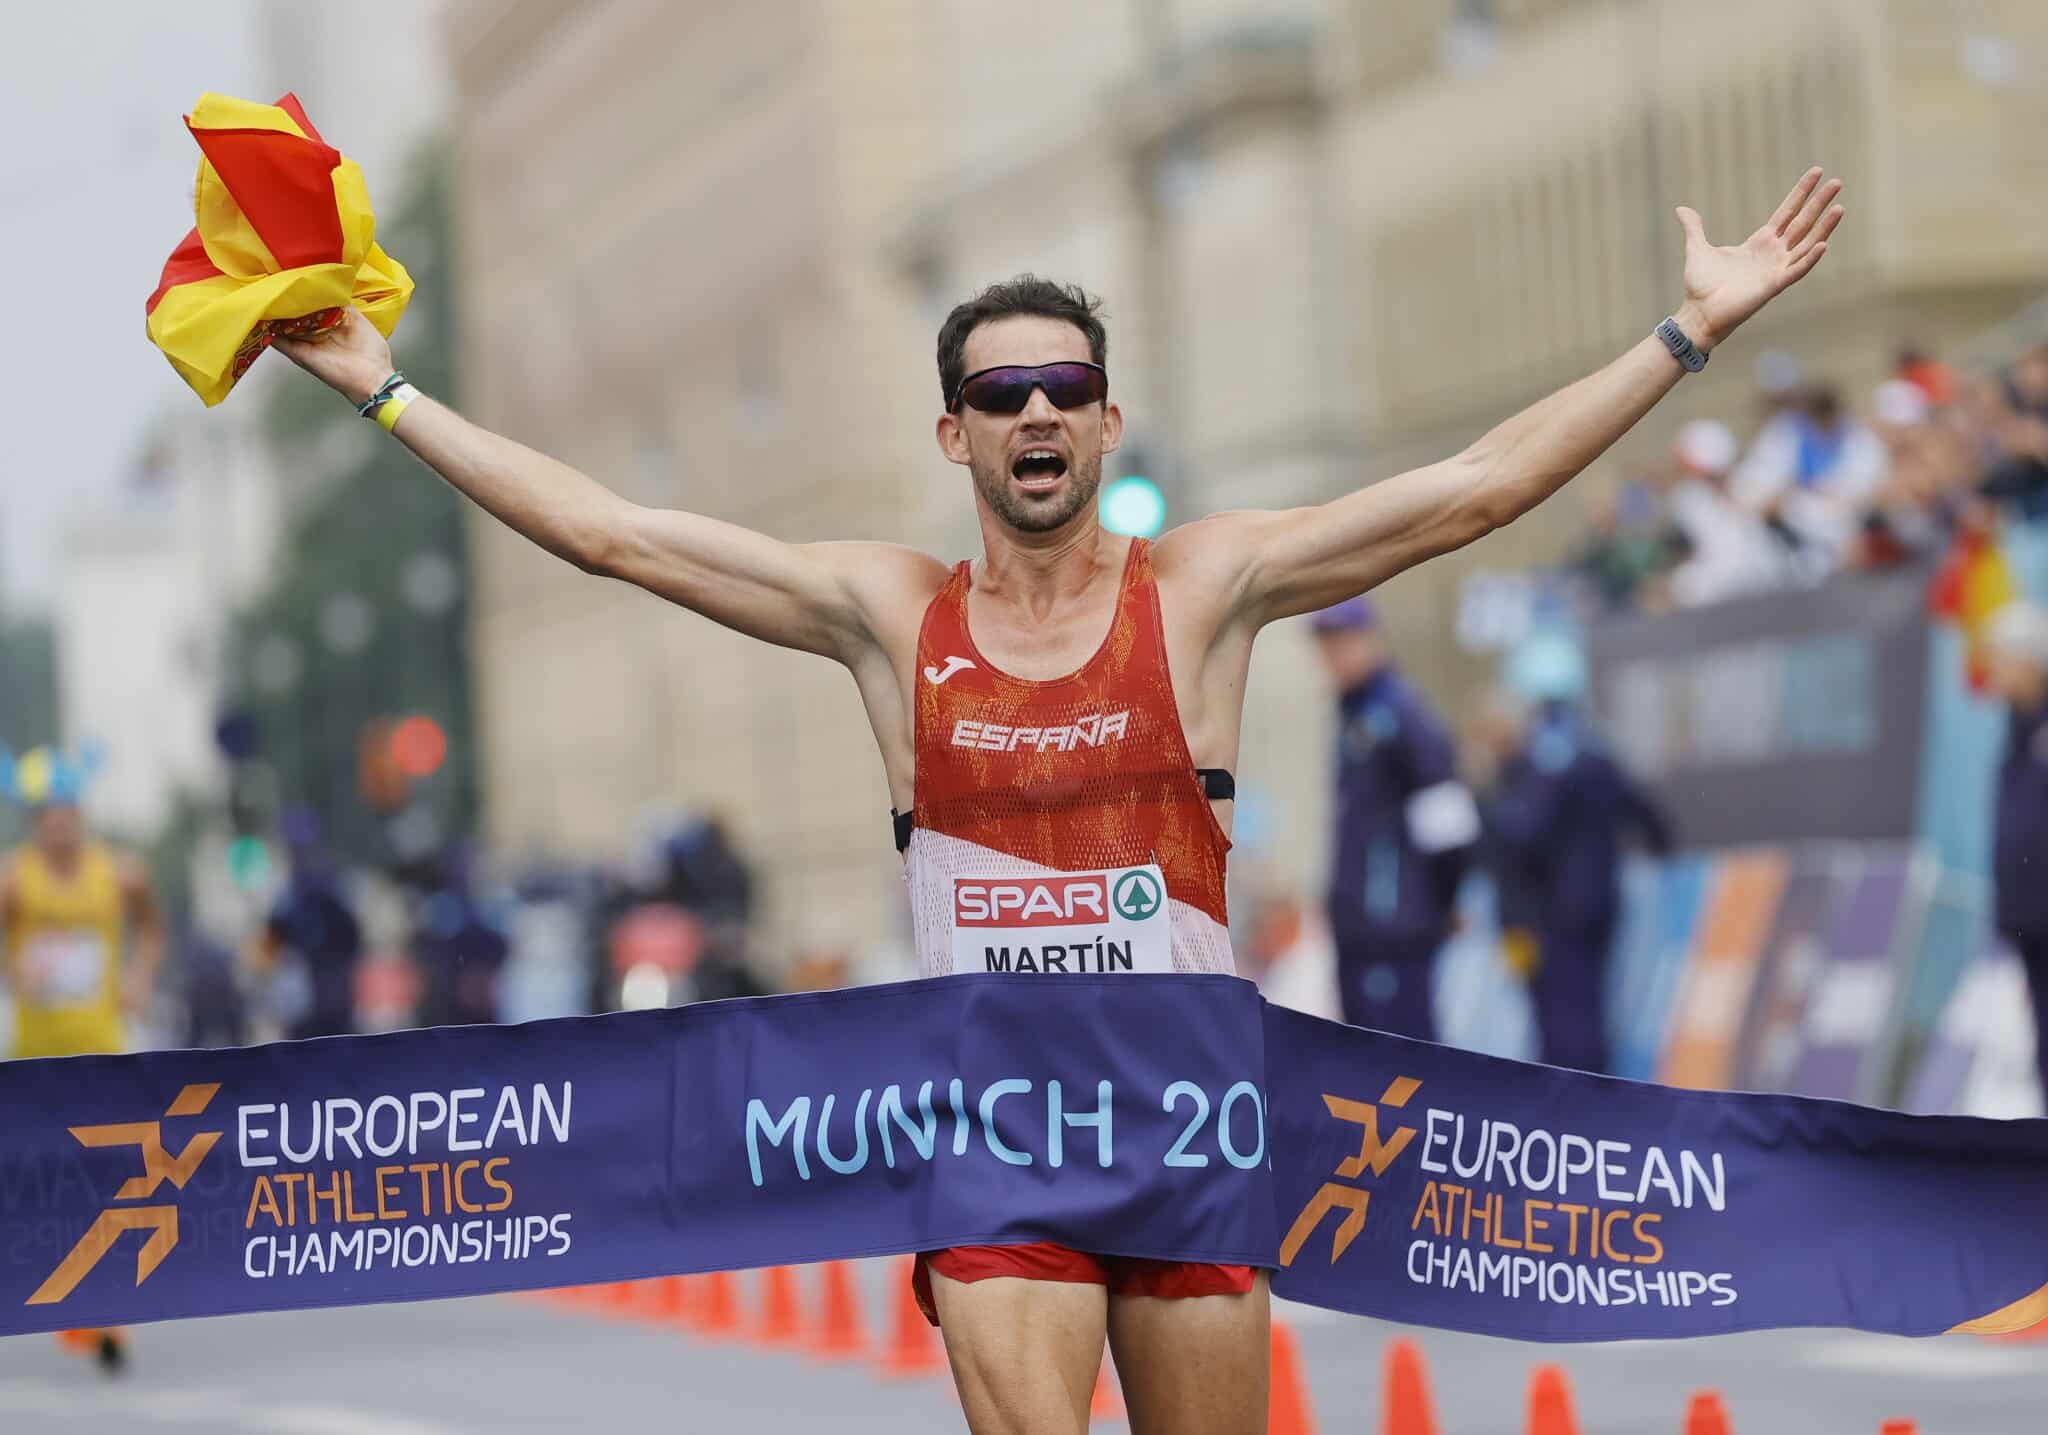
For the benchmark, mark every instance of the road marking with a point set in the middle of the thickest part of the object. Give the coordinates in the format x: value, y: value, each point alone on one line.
x: 212, y: 1408
x: 1943, y: 1358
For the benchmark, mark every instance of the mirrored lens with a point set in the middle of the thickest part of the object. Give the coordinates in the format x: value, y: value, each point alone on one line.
x: 1008, y: 390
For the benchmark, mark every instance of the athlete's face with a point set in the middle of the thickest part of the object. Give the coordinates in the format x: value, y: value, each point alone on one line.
x: 1351, y: 655
x: 58, y: 827
x: 1036, y: 470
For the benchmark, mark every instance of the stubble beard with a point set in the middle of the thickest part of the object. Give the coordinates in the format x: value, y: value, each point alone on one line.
x: 1039, y: 515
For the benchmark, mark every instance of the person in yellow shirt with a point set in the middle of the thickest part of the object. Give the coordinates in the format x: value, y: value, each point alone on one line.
x: 82, y: 934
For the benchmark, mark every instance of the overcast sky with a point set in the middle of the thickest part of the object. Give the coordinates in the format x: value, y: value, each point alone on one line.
x: 96, y: 188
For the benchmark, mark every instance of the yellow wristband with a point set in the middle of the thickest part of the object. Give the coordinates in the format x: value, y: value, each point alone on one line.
x: 389, y: 412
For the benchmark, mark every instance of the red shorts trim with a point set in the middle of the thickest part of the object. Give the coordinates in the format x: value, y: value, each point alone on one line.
x: 1044, y: 1261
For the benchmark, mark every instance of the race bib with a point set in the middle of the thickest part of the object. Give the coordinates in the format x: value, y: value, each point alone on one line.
x: 66, y: 968
x: 1113, y: 921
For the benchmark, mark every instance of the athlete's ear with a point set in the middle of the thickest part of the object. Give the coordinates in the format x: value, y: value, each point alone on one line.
x: 952, y: 435
x: 1112, y: 428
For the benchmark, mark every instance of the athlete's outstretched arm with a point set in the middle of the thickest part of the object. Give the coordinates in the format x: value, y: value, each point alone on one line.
x: 1304, y: 559
x: 798, y: 596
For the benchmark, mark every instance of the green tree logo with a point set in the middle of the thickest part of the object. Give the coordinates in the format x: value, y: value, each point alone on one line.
x: 1136, y: 896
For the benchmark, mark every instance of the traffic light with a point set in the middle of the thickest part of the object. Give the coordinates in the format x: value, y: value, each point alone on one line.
x: 1133, y: 505
x: 419, y: 746
x: 249, y: 862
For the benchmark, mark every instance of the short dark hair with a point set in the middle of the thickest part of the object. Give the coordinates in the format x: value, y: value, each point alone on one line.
x: 1025, y: 294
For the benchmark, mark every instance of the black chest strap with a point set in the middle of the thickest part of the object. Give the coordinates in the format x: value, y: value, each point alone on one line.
x: 1217, y: 785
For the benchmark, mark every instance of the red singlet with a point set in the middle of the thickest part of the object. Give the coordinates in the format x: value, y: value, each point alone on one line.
x: 1045, y: 814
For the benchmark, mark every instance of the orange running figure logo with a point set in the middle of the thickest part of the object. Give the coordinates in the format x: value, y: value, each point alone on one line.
x: 1374, y: 1154
x: 158, y: 1166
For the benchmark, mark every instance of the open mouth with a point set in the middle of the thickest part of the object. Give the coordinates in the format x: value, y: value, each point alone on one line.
x: 1038, y: 468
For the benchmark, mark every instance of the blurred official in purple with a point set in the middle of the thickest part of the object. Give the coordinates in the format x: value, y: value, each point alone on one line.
x: 1405, y: 827
x: 1555, y: 821
x: 2017, y: 644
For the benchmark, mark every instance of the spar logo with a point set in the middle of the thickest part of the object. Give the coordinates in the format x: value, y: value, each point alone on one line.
x: 1055, y: 901
x: 158, y: 1166
x: 1375, y: 1154
x: 1031, y: 901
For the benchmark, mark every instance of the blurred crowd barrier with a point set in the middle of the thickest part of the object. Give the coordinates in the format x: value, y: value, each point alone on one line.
x: 1861, y: 971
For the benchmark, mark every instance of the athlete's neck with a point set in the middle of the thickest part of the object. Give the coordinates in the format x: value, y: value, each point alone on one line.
x: 1040, y: 572
x: 64, y: 859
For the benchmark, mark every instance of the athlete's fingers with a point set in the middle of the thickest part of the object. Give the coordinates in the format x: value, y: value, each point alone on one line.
x: 1795, y: 199
x: 1810, y: 212
x: 1820, y: 232
x: 1803, y: 265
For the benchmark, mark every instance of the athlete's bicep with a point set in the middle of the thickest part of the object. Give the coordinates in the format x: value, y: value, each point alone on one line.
x: 796, y: 596
x: 1303, y: 559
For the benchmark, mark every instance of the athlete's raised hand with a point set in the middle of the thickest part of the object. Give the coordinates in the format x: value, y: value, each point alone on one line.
x: 1724, y: 285
x: 352, y: 357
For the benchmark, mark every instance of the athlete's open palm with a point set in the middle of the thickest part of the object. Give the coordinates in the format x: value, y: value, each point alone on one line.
x: 1725, y: 284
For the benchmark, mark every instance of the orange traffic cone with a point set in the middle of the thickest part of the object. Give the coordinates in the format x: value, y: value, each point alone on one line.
x: 1550, y: 1403
x: 1108, y: 1401
x: 671, y: 1302
x: 1706, y: 1415
x: 717, y: 1311
x: 839, y: 1335
x: 1288, y: 1408
x: 781, y: 1320
x: 913, y: 1344
x: 1898, y: 1427
x: 621, y: 1297
x: 1406, y: 1397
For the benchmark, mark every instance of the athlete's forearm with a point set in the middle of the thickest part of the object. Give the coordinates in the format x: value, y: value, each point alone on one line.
x: 1539, y: 450
x: 565, y: 511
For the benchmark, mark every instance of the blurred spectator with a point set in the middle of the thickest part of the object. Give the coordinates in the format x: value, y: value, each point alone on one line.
x: 312, y: 942
x: 1935, y: 380
x: 2017, y: 647
x: 216, y: 1014
x: 2015, y: 412
x: 1781, y: 392
x: 1497, y: 734
x: 1630, y: 547
x: 1405, y: 829
x: 706, y: 875
x: 1814, y: 482
x: 459, y: 949
x: 1728, y: 552
x: 1555, y: 821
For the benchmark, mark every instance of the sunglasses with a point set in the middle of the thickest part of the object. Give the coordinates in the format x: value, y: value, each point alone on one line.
x: 1006, y: 390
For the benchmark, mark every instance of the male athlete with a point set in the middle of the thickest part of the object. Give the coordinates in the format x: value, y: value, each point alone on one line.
x: 1071, y: 702
x: 83, y: 937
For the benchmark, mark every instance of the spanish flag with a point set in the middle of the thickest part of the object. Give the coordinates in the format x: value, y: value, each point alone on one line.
x: 285, y: 242
x: 1973, y: 582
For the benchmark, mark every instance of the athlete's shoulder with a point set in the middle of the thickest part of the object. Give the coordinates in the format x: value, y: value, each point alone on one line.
x: 1215, y: 539
x: 1208, y: 558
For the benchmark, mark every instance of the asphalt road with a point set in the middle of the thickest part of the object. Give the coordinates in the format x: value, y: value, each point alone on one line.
x: 478, y: 1367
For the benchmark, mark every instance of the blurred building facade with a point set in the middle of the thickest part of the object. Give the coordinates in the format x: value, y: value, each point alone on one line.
x: 155, y: 569
x: 146, y: 591
x: 706, y: 249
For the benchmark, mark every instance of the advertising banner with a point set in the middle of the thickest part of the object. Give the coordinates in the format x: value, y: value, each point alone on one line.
x: 1176, y: 1117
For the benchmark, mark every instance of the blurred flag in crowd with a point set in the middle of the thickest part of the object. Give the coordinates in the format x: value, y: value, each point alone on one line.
x: 1974, y: 581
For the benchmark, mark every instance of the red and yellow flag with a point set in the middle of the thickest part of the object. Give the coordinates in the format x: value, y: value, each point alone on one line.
x: 1973, y: 582
x: 285, y: 242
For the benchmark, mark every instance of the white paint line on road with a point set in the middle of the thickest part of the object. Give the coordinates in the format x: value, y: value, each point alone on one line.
x: 212, y: 1408
x: 325, y: 1420
x: 1943, y: 1358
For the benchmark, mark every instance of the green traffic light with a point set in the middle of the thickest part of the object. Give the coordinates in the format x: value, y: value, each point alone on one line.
x: 1133, y: 505
x: 249, y: 862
